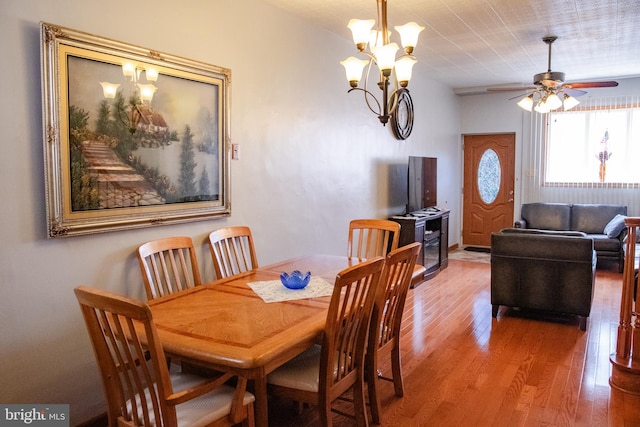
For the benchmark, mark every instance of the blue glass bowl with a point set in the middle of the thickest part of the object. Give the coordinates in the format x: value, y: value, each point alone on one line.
x: 295, y: 280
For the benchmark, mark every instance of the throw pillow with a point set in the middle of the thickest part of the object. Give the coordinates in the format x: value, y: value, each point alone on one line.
x: 615, y: 226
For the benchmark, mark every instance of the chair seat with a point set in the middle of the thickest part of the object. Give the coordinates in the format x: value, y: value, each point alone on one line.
x: 202, y: 410
x: 300, y: 373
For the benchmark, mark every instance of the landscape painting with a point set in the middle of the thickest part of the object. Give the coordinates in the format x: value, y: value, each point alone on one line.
x: 133, y: 137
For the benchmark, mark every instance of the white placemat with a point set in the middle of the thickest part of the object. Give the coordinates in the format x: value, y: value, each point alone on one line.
x: 274, y: 290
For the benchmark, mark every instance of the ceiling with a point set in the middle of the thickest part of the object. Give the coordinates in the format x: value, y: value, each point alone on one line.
x: 471, y: 44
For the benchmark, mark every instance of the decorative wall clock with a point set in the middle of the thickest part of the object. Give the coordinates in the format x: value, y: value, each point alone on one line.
x: 402, y: 116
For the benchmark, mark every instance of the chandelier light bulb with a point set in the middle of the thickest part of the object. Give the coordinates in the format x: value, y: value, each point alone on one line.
x: 146, y: 92
x: 376, y: 39
x: 360, y: 29
x: 404, y: 68
x: 152, y: 74
x: 353, y: 68
x: 409, y: 35
x: 386, y: 57
x: 109, y: 90
x: 128, y: 69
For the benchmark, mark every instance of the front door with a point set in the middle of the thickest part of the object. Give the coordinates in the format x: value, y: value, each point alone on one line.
x: 488, y: 186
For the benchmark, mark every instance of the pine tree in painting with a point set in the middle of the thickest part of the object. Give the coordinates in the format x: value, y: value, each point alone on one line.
x: 188, y: 165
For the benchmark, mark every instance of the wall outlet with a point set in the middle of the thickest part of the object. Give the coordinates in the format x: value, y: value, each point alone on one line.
x: 235, y: 151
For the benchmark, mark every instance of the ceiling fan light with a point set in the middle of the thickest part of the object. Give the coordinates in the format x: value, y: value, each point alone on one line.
x: 553, y: 101
x: 542, y: 107
x: 526, y: 103
x: 569, y: 102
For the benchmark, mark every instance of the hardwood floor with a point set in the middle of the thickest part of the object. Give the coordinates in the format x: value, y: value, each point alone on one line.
x: 462, y: 367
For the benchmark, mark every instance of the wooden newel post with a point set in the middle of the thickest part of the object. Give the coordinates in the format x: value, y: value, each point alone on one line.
x: 625, y: 374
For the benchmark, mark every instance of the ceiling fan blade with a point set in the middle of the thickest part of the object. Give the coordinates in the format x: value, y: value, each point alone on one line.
x: 522, y: 95
x: 573, y: 92
x: 586, y: 85
x: 511, y: 89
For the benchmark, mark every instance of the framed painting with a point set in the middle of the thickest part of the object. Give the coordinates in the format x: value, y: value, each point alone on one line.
x: 132, y: 137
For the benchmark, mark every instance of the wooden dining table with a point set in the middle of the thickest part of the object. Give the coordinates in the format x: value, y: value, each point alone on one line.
x: 226, y: 326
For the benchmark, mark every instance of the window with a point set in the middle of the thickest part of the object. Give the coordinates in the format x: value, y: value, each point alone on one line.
x: 593, y: 146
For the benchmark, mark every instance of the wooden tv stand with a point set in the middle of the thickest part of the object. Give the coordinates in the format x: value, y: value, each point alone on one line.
x: 431, y: 227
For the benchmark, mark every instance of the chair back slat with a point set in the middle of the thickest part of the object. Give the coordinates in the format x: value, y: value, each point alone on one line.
x: 232, y: 251
x: 347, y: 325
x: 168, y: 265
x: 370, y: 238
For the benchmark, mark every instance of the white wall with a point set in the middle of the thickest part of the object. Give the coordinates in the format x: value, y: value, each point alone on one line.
x: 312, y: 158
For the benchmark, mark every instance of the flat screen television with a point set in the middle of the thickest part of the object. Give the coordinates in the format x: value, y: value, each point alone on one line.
x: 423, y: 183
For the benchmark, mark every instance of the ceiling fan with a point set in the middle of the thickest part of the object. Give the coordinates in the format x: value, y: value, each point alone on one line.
x: 550, y: 88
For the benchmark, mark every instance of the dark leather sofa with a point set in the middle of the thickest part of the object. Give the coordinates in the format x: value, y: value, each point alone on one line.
x: 543, y: 270
x: 591, y: 219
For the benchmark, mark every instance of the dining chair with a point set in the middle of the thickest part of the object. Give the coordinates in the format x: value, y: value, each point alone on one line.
x: 327, y: 370
x: 377, y: 237
x: 369, y: 238
x: 168, y: 265
x: 140, y: 389
x: 386, y: 319
x: 232, y: 251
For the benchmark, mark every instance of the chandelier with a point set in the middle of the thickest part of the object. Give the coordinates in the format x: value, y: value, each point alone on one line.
x: 395, y: 105
x: 140, y: 93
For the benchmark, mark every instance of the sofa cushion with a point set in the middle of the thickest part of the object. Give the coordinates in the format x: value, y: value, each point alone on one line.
x: 615, y: 226
x: 592, y: 219
x: 603, y: 243
x: 549, y: 216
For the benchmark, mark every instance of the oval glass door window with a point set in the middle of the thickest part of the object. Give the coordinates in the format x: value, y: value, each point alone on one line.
x: 489, y: 172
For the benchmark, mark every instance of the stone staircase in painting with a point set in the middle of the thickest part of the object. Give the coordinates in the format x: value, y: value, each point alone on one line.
x: 119, y: 185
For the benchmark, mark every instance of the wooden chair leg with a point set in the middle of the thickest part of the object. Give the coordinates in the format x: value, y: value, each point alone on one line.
x: 324, y: 409
x: 359, y: 404
x: 374, y: 399
x: 396, y: 369
x: 250, y: 420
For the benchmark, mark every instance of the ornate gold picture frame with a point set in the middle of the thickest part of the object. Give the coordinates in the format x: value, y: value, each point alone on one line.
x: 132, y: 137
